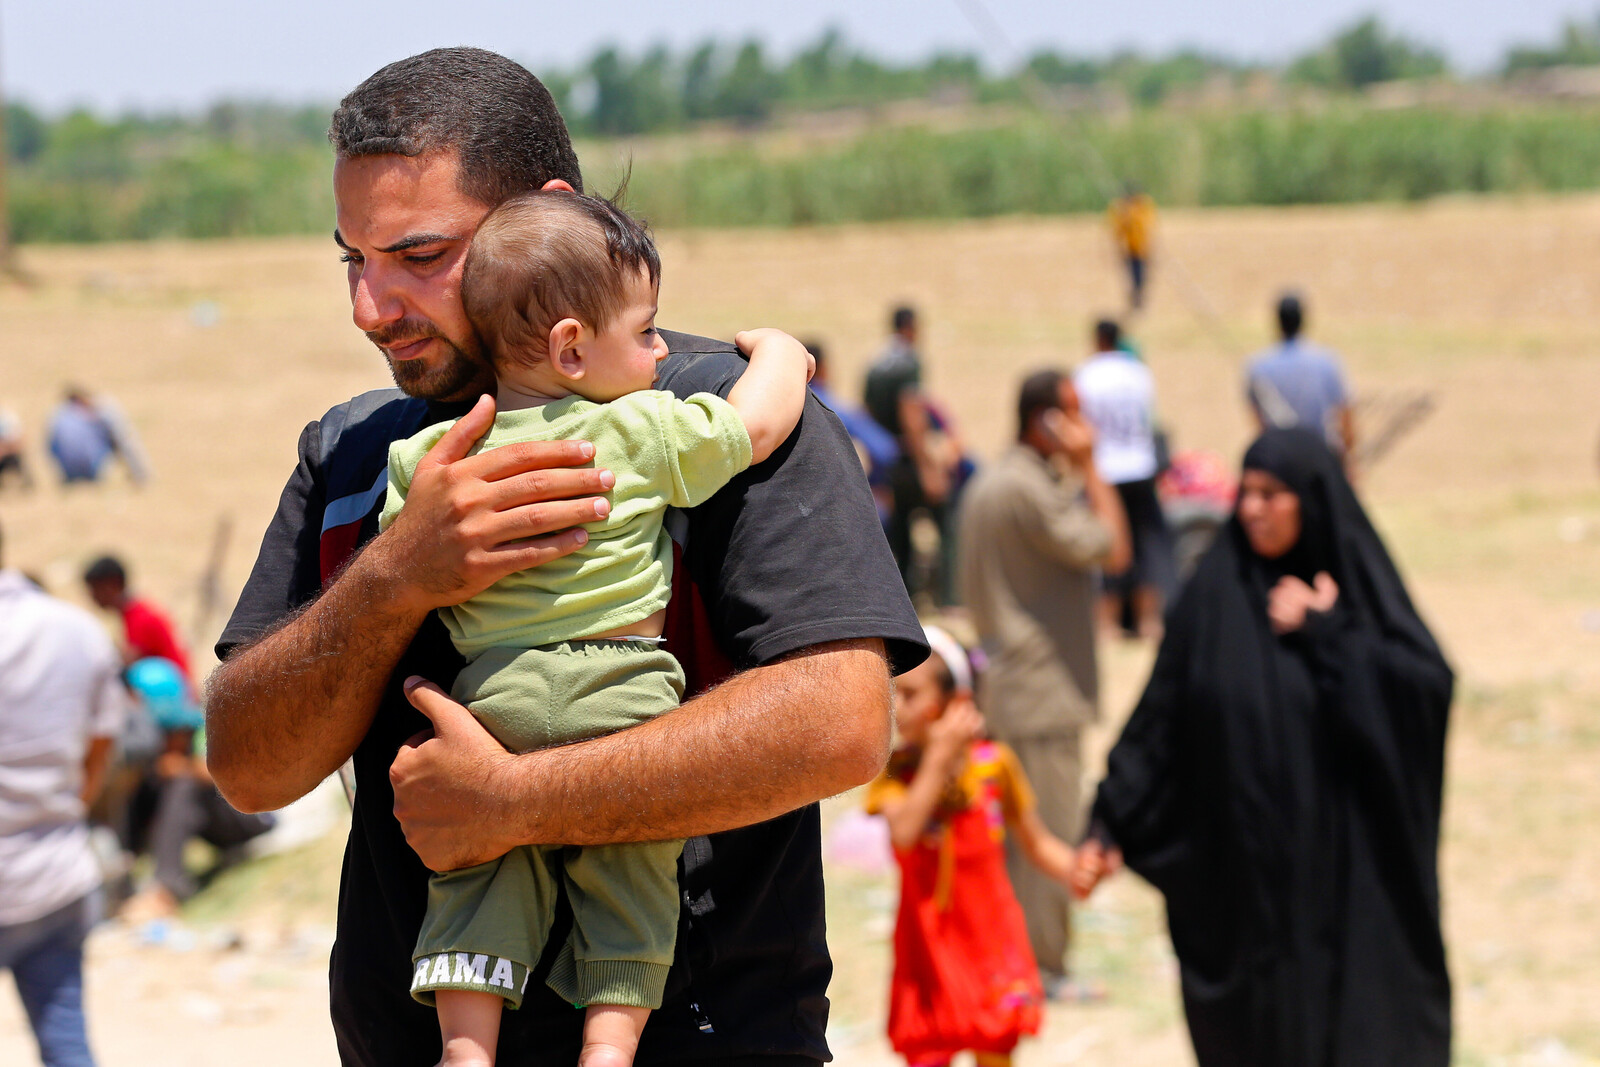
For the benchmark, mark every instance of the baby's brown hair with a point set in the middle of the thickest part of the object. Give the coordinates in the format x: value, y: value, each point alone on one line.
x: 546, y: 256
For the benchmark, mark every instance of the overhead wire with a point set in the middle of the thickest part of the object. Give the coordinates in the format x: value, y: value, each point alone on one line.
x: 984, y: 22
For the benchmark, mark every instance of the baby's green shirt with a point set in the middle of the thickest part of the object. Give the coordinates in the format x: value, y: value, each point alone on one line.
x: 664, y: 452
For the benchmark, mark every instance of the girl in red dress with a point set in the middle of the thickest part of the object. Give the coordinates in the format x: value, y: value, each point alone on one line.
x: 964, y: 975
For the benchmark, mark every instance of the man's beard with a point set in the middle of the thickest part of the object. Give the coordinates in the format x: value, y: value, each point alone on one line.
x: 461, y: 375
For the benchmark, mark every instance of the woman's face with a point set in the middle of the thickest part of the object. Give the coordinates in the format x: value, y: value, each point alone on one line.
x: 1269, y: 511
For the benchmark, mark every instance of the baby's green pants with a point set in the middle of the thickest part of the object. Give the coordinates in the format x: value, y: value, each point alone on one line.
x: 486, y: 925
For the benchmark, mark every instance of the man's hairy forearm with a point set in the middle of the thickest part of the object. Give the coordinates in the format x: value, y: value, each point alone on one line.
x: 765, y: 742
x: 284, y: 712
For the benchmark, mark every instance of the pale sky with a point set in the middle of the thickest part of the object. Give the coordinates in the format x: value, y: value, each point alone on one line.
x: 154, y: 54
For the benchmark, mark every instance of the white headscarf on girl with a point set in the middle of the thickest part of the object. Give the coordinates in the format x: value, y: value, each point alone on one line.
x: 955, y: 659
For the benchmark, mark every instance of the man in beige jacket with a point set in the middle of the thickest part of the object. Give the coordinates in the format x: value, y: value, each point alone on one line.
x: 1036, y: 526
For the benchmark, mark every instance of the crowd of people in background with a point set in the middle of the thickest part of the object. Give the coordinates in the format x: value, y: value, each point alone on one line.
x: 162, y: 796
x: 919, y: 468
x: 1063, y: 538
x: 100, y: 734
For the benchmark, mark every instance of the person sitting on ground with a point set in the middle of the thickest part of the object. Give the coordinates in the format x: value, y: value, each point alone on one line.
x: 1117, y: 392
x: 87, y: 431
x: 1296, y: 383
x: 964, y: 974
x: 138, y: 803
x: 875, y: 446
x: 161, y: 795
x: 176, y: 801
x: 562, y: 289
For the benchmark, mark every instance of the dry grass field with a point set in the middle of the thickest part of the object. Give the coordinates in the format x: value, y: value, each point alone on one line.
x: 1492, y: 508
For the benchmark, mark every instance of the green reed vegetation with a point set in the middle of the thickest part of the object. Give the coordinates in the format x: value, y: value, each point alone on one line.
x: 237, y: 170
x: 1043, y: 165
x: 94, y: 181
x: 724, y: 135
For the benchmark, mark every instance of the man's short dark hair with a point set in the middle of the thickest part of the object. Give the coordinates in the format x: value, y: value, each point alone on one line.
x: 499, y: 119
x: 814, y: 346
x: 105, y: 568
x: 1041, y: 391
x: 1291, y: 315
x: 902, y: 317
x: 1107, y: 334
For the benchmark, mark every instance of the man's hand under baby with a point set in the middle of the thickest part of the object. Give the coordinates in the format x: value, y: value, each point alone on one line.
x: 446, y: 785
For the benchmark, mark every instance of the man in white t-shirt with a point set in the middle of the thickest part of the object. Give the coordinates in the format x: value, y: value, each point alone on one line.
x: 61, y: 704
x: 1118, y: 395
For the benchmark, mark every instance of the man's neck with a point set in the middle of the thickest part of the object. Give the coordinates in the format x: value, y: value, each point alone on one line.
x: 1032, y: 444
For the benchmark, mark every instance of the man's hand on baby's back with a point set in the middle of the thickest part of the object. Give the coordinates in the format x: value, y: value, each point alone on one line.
x: 447, y: 784
x: 470, y: 520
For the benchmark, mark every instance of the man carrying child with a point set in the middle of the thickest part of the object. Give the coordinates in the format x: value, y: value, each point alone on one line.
x: 785, y: 589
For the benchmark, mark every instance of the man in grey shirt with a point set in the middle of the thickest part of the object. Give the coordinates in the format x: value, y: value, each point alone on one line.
x: 1295, y: 383
x: 61, y: 704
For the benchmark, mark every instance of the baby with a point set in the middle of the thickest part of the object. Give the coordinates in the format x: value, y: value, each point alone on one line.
x: 562, y: 289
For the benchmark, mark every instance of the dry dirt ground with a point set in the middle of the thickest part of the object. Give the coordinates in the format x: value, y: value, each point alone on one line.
x: 220, y: 352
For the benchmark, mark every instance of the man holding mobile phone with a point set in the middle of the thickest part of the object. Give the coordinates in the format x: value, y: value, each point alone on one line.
x: 1036, y: 526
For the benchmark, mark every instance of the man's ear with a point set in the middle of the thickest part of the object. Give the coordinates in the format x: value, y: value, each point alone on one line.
x: 564, y: 354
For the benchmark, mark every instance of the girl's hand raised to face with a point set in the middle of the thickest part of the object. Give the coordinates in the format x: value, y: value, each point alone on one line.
x: 951, y: 732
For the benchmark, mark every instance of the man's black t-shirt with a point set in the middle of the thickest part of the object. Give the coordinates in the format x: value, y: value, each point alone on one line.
x: 788, y: 555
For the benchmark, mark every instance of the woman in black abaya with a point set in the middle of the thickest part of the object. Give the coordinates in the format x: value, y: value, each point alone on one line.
x: 1280, y: 784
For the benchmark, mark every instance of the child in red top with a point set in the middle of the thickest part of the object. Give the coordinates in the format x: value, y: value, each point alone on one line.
x: 964, y: 975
